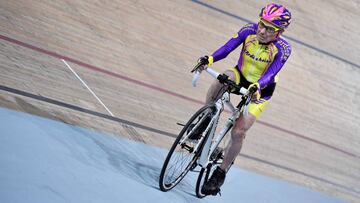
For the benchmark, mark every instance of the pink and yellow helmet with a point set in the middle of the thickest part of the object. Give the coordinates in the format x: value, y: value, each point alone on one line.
x: 276, y: 14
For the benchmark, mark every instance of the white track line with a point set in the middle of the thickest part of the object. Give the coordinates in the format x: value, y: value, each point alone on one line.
x: 87, y: 87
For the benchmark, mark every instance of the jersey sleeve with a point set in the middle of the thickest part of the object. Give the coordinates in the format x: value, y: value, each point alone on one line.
x: 279, y: 61
x: 234, y: 42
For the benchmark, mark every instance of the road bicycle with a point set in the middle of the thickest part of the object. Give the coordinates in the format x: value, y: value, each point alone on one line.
x: 186, y: 153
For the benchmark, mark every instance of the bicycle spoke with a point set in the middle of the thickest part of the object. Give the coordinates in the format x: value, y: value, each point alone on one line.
x: 177, y: 164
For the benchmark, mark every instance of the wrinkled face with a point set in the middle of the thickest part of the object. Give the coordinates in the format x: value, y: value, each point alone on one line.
x: 267, y: 32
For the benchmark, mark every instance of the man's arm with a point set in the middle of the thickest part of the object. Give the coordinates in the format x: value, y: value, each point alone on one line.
x: 279, y: 61
x: 234, y: 42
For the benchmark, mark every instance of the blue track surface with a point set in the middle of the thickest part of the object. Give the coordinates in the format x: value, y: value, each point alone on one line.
x: 42, y: 160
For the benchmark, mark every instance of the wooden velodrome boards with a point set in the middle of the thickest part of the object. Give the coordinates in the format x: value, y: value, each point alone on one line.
x: 136, y: 55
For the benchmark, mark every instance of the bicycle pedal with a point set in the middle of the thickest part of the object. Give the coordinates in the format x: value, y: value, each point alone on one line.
x: 190, y: 149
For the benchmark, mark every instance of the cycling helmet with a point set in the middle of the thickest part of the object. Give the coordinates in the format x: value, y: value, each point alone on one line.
x: 276, y: 14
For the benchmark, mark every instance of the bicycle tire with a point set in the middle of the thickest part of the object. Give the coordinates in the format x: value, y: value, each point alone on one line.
x: 204, y: 176
x: 184, y: 167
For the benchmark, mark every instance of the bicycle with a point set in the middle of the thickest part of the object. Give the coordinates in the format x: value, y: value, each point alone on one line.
x: 186, y: 154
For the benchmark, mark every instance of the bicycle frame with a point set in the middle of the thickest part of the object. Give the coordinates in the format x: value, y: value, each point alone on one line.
x: 213, y: 140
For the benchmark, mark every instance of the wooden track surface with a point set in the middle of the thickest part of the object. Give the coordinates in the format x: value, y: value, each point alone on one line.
x: 136, y: 57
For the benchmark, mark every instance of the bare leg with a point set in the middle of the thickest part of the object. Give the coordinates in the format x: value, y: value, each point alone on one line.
x: 243, y: 123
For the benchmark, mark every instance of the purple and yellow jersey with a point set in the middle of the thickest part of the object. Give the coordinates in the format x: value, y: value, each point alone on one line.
x: 258, y: 62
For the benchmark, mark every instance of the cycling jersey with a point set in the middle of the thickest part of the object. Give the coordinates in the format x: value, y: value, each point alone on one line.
x: 258, y: 62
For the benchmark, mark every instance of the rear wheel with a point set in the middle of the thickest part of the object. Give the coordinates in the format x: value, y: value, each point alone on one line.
x: 204, y: 176
x: 205, y: 173
x: 184, y: 152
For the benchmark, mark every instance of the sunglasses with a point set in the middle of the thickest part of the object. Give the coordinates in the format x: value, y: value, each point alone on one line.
x: 269, y: 28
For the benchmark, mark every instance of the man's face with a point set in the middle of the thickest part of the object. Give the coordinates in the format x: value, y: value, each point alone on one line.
x: 266, y: 32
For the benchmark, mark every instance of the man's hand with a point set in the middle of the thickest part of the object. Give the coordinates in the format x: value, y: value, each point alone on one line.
x: 256, y: 95
x: 205, y: 60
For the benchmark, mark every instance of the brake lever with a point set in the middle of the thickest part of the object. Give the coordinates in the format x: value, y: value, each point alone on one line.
x: 197, y: 67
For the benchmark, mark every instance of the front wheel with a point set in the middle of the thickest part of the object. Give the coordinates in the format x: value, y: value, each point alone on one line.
x: 184, y: 152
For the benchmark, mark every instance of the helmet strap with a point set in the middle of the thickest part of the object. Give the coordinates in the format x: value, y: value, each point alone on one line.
x: 279, y: 33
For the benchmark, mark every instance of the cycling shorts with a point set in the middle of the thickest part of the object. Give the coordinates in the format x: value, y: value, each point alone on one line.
x: 255, y: 107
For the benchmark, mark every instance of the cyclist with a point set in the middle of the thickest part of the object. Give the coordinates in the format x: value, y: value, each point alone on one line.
x: 262, y: 56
